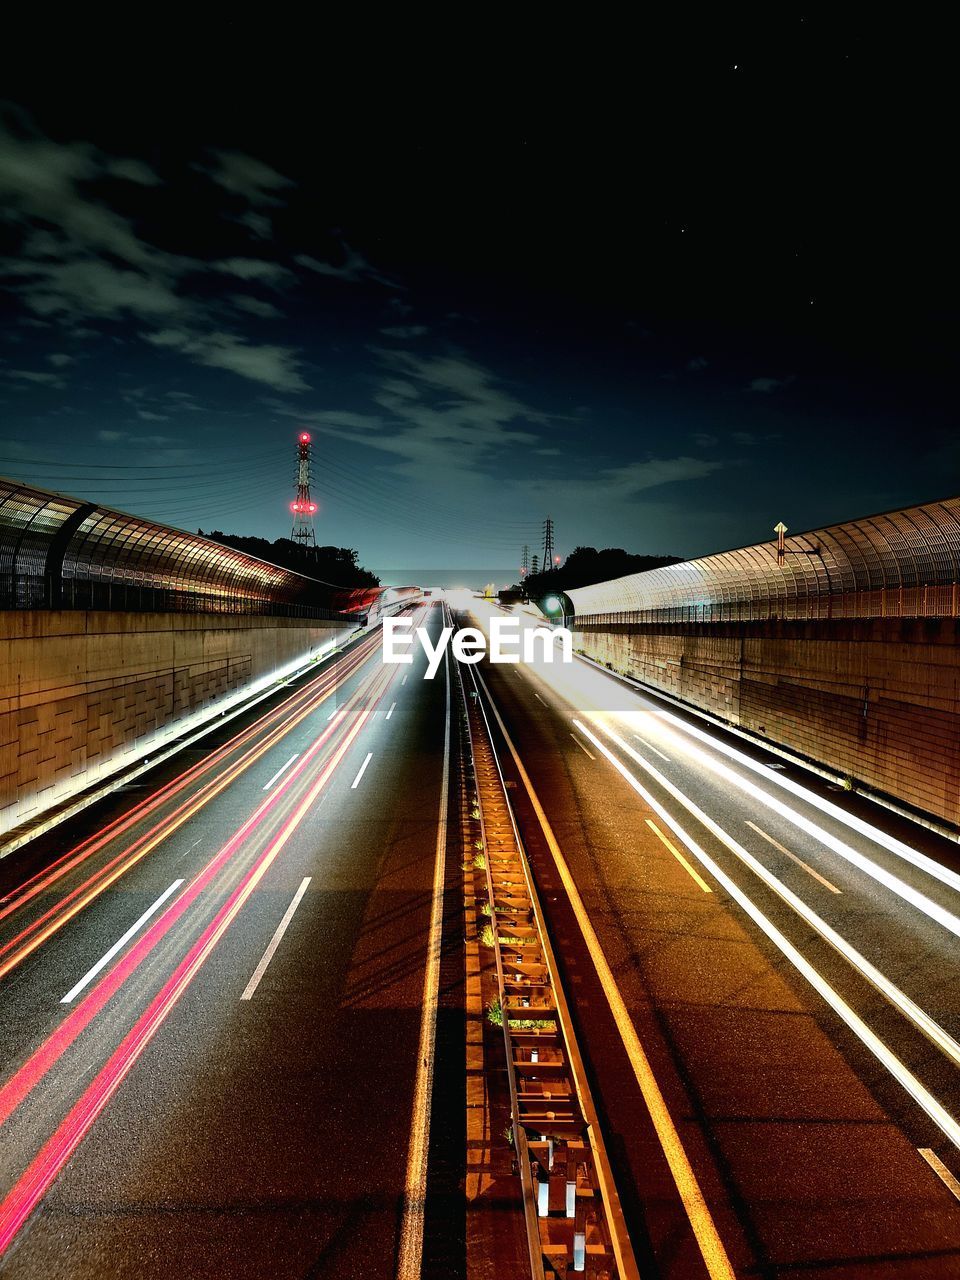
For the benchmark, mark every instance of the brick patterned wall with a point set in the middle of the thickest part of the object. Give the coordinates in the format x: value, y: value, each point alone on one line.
x: 877, y: 701
x: 83, y: 694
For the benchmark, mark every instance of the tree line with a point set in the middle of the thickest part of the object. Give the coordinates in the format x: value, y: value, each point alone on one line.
x: 331, y: 566
x: 586, y: 565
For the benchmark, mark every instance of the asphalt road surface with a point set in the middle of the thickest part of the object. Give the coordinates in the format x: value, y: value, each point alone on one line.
x: 786, y: 959
x: 212, y: 1001
x: 218, y: 990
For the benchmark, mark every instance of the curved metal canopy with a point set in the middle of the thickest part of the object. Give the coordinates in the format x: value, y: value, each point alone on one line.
x: 60, y: 552
x: 900, y: 563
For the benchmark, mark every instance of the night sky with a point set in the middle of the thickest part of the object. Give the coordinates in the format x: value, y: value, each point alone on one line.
x: 668, y: 284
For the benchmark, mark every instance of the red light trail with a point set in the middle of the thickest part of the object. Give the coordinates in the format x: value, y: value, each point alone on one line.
x: 34, y: 1182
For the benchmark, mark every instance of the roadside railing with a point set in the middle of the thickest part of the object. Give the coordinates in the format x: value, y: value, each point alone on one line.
x: 941, y: 601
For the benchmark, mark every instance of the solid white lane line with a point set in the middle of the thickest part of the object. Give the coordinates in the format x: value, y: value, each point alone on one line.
x: 938, y: 1114
x: 651, y: 747
x: 390, y: 712
x: 267, y: 956
x: 282, y: 770
x: 679, y: 857
x: 941, y: 1170
x: 582, y: 747
x: 864, y: 828
x: 104, y: 960
x: 922, y: 1021
x: 931, y: 909
x: 356, y: 782
x: 799, y: 861
x: 410, y: 1258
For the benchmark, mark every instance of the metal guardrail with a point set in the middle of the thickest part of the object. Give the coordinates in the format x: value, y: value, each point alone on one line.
x: 574, y: 1221
x: 938, y: 601
x: 132, y: 598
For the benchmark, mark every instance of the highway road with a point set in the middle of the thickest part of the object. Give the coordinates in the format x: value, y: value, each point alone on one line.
x: 218, y: 994
x: 764, y: 974
x: 231, y: 1022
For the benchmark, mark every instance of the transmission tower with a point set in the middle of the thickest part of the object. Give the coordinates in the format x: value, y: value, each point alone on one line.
x: 525, y: 561
x: 535, y: 564
x: 303, y: 506
x: 550, y: 559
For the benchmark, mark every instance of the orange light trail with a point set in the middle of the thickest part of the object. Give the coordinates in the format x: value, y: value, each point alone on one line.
x: 51, y: 921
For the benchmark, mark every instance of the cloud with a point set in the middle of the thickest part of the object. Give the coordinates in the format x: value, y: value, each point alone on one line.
x: 257, y: 223
x: 114, y: 437
x: 614, y: 490
x: 245, y: 176
x: 402, y: 331
x: 766, y: 385
x: 250, y: 181
x: 89, y: 287
x: 182, y: 400
x: 442, y: 417
x: 397, y: 387
x: 41, y: 379
x: 148, y: 416
x: 79, y: 259
x: 697, y: 364
x: 41, y: 181
x: 59, y: 360
x: 704, y: 440
x: 275, y: 366
x: 636, y: 477
x: 344, y: 418
x: 133, y: 171
x: 256, y: 307
x: 253, y: 269
x: 353, y: 269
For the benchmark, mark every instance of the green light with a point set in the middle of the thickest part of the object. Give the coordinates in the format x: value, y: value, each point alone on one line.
x: 552, y: 604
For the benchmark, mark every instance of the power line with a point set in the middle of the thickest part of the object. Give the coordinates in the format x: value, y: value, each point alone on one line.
x: 124, y: 466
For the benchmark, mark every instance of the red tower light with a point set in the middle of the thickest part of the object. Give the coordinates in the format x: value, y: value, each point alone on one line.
x: 304, y: 437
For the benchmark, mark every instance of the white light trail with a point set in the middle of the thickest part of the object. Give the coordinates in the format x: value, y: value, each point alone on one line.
x: 937, y: 1113
x: 864, y: 828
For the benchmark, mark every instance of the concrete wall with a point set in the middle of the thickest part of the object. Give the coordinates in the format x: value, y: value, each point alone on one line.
x: 85, y: 694
x: 877, y: 701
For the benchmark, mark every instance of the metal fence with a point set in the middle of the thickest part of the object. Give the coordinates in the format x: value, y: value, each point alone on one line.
x: 58, y: 552
x: 902, y: 564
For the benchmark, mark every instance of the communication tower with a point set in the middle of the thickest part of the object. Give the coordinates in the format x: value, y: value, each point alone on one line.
x: 303, y: 506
